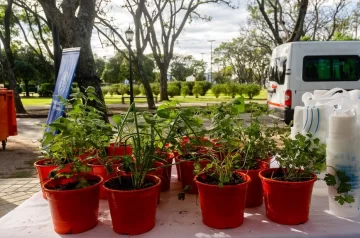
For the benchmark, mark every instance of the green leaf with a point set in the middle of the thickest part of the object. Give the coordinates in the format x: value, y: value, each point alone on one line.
x: 163, y: 113
x: 342, y: 176
x: 340, y: 199
x: 344, y: 187
x: 330, y: 180
x: 117, y: 119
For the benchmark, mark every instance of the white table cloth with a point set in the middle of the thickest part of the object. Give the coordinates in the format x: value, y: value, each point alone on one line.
x: 182, y: 219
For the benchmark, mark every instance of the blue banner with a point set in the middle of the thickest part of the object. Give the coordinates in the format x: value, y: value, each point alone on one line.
x: 69, y: 61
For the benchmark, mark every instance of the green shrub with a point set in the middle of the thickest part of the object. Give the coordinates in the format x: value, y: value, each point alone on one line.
x: 113, y: 89
x: 190, y: 85
x: 232, y: 89
x: 105, y: 90
x: 136, y: 90
x: 46, y: 89
x: 32, y: 88
x: 252, y: 90
x: 185, y: 90
x: 205, y: 86
x: 173, y: 90
x: 197, y: 89
x: 177, y: 83
x: 155, y: 88
x: 218, y: 89
x: 122, y: 89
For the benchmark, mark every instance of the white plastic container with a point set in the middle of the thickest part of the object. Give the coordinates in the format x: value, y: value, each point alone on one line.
x: 343, y: 155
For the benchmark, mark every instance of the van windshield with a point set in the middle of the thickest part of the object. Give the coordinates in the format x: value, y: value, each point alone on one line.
x: 277, y: 70
x: 331, y: 68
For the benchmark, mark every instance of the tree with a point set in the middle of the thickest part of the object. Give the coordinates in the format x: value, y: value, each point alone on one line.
x: 180, y: 67
x: 111, y: 72
x: 248, y: 63
x: 112, y: 36
x: 183, y: 66
x: 99, y: 64
x: 274, y: 22
x: 74, y: 21
x: 170, y: 17
x: 30, y: 67
x: 5, y: 36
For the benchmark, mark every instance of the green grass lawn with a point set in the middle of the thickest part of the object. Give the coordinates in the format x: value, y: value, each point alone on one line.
x: 116, y: 99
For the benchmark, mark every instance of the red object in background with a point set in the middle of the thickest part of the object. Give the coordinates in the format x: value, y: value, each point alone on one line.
x: 11, y: 113
x: 223, y: 207
x: 119, y: 150
x: 255, y: 195
x: 44, y: 170
x: 73, y: 211
x: 187, y: 173
x: 286, y: 203
x: 4, y: 124
x: 288, y: 98
x: 99, y: 169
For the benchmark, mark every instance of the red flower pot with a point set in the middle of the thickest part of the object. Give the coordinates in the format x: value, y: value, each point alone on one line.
x: 286, y: 203
x: 187, y: 173
x: 119, y: 150
x: 44, y: 170
x: 165, y: 175
x: 223, y: 207
x: 99, y: 169
x: 86, y: 154
x: 73, y: 211
x: 133, y: 211
x: 255, y: 195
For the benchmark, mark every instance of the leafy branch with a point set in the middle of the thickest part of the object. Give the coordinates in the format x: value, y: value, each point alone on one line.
x: 343, y: 186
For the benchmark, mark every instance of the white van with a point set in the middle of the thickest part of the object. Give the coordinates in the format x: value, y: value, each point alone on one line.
x: 300, y: 67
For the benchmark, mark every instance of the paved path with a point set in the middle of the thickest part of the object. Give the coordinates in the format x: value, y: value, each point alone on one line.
x: 15, y: 191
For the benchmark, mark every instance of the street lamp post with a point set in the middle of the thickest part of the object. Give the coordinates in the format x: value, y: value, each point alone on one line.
x: 129, y: 37
x: 211, y: 41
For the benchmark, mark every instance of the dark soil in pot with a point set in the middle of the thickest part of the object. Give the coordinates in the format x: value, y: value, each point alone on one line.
x: 209, y: 179
x: 71, y: 185
x: 125, y: 183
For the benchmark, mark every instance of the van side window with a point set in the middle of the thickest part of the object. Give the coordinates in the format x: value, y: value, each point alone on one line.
x: 277, y: 70
x: 331, y: 68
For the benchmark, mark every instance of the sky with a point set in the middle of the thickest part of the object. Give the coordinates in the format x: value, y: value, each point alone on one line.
x: 193, y: 40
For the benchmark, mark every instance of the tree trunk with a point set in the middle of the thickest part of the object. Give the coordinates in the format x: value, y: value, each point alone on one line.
x: 145, y: 81
x: 13, y: 86
x: 10, y: 63
x: 163, y: 84
x: 86, y: 73
x: 75, y: 23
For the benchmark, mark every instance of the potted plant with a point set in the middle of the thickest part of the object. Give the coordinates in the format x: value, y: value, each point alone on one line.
x: 222, y: 193
x: 119, y: 146
x: 100, y: 162
x: 257, y: 147
x: 288, y: 189
x: 65, y: 140
x: 133, y: 197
